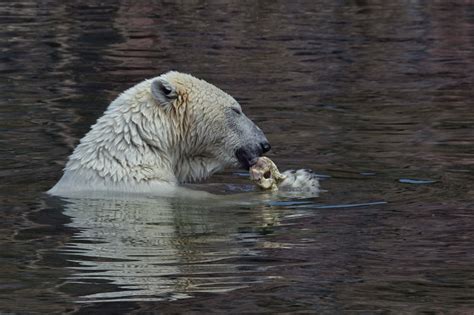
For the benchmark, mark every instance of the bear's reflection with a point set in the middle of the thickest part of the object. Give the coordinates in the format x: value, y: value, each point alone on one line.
x: 163, y: 248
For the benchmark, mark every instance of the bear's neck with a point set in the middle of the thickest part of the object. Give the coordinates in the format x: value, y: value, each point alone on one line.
x: 116, y: 150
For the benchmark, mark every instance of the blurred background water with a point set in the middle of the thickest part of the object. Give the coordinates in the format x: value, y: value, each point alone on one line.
x: 375, y: 96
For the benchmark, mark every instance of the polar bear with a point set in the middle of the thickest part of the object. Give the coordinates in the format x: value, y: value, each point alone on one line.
x: 169, y: 130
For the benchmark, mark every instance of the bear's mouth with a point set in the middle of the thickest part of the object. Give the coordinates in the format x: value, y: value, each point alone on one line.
x: 247, y: 157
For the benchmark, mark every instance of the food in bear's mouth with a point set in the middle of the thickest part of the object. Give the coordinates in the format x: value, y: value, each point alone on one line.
x: 265, y: 174
x: 304, y: 182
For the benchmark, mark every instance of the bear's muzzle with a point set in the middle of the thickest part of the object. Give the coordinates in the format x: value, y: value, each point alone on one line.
x: 248, y: 155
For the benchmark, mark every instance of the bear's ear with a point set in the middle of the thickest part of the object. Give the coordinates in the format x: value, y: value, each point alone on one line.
x: 163, y: 91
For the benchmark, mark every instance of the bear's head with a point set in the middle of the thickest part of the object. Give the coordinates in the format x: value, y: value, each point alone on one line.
x: 200, y: 128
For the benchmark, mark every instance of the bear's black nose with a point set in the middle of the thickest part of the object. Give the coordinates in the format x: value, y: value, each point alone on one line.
x: 265, y: 146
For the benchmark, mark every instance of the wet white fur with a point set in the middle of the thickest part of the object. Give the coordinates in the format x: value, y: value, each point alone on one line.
x: 142, y: 144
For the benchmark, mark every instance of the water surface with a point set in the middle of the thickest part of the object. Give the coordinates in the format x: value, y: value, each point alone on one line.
x: 375, y: 97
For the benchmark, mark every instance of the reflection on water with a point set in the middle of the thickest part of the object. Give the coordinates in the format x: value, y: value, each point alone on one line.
x: 160, y: 248
x: 374, y: 96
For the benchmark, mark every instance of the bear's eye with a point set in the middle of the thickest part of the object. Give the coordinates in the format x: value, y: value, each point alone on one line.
x: 237, y: 111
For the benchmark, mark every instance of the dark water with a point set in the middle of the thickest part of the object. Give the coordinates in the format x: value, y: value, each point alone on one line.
x: 377, y: 96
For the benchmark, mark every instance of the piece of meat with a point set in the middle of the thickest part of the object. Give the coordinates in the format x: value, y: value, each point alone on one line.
x: 265, y: 174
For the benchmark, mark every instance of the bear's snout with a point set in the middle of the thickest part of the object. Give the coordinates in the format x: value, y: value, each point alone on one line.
x: 265, y: 146
x: 248, y: 155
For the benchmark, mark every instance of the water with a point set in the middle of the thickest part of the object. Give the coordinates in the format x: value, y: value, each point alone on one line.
x: 375, y: 97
